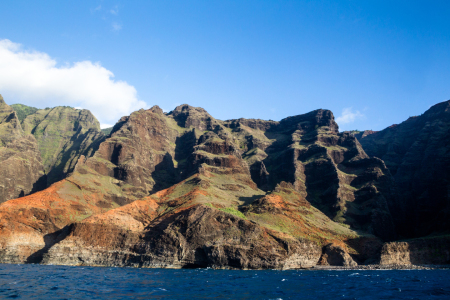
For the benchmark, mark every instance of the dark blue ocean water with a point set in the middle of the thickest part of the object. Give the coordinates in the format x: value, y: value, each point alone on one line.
x: 60, y: 282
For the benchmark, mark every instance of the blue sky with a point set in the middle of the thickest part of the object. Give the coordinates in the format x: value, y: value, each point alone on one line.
x: 373, y: 63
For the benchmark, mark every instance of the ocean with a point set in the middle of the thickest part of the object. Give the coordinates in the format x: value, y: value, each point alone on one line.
x: 63, y: 282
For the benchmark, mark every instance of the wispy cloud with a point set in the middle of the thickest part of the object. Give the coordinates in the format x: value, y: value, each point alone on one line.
x: 349, y: 116
x: 109, y: 15
x: 114, y: 10
x: 116, y: 26
x: 93, y: 10
x: 34, y: 78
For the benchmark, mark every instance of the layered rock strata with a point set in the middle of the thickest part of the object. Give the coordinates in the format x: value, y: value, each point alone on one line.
x: 329, y: 168
x: 192, y: 225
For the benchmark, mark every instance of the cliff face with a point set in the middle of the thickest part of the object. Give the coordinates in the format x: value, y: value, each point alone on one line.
x: 210, y: 219
x: 417, y: 153
x: 330, y: 169
x: 63, y: 135
x: 21, y: 170
x: 184, y: 189
x: 196, y: 237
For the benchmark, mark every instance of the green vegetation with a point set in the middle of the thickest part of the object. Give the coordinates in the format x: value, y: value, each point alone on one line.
x: 23, y: 111
x: 356, y: 131
x: 173, y: 124
x: 107, y: 131
x: 63, y: 133
x: 234, y: 212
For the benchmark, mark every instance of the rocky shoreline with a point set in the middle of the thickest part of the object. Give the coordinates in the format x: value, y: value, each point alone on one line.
x: 383, y: 267
x: 314, y: 268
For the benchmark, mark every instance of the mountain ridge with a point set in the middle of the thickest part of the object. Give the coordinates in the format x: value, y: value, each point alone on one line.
x: 183, y: 189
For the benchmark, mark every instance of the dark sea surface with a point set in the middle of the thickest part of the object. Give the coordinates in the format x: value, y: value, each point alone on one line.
x: 61, y: 282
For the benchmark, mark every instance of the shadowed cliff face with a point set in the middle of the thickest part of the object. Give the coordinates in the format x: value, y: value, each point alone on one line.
x: 184, y: 189
x: 21, y: 170
x: 417, y: 153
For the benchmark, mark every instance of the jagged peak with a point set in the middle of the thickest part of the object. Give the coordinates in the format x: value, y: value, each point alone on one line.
x: 328, y: 114
x: 2, y: 101
x: 156, y: 109
x: 187, y: 108
x: 318, y: 117
x: 197, y: 117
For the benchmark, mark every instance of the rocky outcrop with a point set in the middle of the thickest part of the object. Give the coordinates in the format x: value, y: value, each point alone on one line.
x: 193, y: 117
x: 434, y: 250
x: 335, y: 255
x: 417, y: 154
x: 141, y: 152
x: 63, y: 134
x: 21, y: 170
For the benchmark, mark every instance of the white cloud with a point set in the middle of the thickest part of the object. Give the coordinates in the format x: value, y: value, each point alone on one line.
x: 33, y: 78
x: 349, y: 116
x: 116, y: 26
